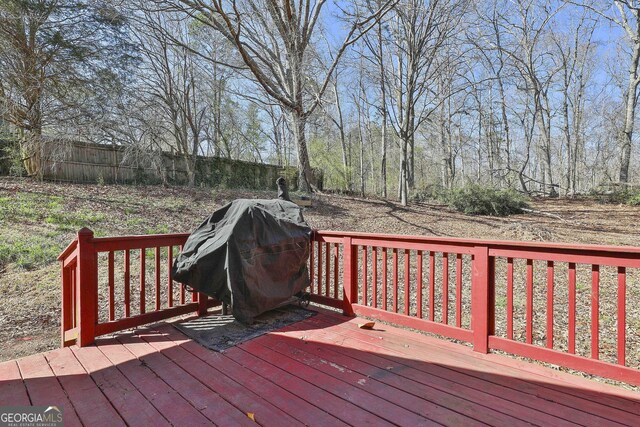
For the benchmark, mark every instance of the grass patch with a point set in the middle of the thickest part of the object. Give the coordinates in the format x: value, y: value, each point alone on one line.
x: 73, y: 220
x: 25, y: 207
x: 159, y: 229
x: 29, y: 252
x: 30, y: 207
x: 133, y: 222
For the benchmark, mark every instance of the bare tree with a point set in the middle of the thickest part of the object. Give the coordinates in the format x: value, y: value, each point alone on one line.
x: 273, y: 39
x: 169, y: 86
x: 575, y: 47
x: 418, y: 33
x: 629, y: 20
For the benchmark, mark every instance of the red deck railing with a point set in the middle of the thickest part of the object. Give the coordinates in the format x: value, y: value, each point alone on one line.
x: 509, y: 296
x: 449, y: 287
x: 90, y: 310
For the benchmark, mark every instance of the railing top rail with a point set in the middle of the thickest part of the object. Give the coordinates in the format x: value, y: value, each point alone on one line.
x: 105, y: 244
x: 140, y: 237
x: 68, y: 250
x: 502, y: 244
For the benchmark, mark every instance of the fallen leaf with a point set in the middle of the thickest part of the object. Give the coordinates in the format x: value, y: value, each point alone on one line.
x: 368, y: 325
x: 251, y: 416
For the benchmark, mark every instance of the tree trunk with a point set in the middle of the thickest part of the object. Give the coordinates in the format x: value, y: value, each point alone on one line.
x: 343, y: 142
x: 630, y: 111
x: 298, y: 124
x: 32, y: 154
x: 403, y: 187
x: 383, y: 110
x: 567, y: 132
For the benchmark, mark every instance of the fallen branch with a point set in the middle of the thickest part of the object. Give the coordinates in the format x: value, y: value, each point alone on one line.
x: 531, y: 211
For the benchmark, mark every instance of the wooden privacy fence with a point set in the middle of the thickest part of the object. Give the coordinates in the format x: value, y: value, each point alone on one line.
x: 92, y: 163
x: 562, y: 304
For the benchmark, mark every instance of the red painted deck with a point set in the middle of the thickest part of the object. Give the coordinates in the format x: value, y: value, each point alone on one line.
x: 324, y: 371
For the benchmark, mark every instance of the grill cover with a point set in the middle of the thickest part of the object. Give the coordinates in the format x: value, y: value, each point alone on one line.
x: 251, y: 254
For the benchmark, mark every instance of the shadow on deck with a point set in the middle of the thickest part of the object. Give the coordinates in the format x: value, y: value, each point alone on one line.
x: 321, y: 371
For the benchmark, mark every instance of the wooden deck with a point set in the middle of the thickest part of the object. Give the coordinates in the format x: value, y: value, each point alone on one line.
x: 323, y: 371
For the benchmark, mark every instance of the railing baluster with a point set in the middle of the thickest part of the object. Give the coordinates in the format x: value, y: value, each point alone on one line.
x: 419, y: 286
x: 529, y: 326
x: 311, y: 263
x: 319, y: 287
x: 572, y: 308
x: 327, y: 270
x: 550, y: 280
x: 384, y: 279
x: 157, y: 259
x: 491, y: 297
x: 112, y: 310
x: 510, y: 298
x: 407, y: 265
x: 67, y: 301
x: 143, y: 255
x: 595, y: 308
x: 374, y: 279
x: 622, y: 315
x: 74, y: 296
x: 445, y: 288
x: 459, y: 290
x: 127, y: 283
x: 395, y: 280
x: 336, y: 248
x: 432, y: 286
x: 364, y: 275
x: 182, y: 290
x: 169, y: 278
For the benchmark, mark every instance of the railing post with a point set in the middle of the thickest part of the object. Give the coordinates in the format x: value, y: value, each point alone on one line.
x: 202, y: 304
x: 349, y: 277
x: 87, y: 288
x: 480, y: 299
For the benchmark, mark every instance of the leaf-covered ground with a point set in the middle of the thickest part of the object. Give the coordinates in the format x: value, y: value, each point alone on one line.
x: 37, y: 220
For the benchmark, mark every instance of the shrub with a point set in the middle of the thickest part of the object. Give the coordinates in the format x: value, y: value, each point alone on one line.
x: 479, y: 200
x: 634, y: 199
x: 617, y: 196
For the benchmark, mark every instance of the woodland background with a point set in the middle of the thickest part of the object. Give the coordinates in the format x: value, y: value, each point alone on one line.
x: 399, y: 99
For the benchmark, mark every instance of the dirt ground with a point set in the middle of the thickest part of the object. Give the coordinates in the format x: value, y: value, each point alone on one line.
x: 30, y: 305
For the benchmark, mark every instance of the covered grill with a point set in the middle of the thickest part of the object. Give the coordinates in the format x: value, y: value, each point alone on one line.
x: 250, y: 254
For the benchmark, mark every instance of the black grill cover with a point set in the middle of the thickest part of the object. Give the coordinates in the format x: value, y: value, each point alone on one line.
x: 251, y: 254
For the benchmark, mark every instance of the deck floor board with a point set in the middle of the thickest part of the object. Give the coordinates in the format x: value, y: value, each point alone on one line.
x: 277, y: 395
x: 568, y: 390
x: 549, y: 378
x: 476, y: 374
x: 44, y: 388
x: 410, y: 384
x: 134, y: 408
x: 13, y: 391
x: 91, y: 405
x: 321, y: 371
